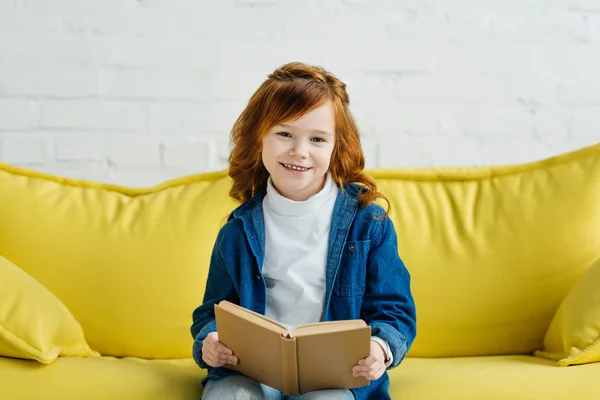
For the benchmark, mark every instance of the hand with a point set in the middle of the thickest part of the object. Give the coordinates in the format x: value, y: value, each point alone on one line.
x: 373, y: 366
x: 215, y: 353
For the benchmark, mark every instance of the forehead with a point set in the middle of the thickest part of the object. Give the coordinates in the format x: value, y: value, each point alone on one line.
x: 321, y: 118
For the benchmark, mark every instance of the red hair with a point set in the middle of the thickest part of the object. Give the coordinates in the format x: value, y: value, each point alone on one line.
x: 288, y: 93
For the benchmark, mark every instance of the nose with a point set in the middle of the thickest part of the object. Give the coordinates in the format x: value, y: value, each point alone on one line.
x: 299, y: 150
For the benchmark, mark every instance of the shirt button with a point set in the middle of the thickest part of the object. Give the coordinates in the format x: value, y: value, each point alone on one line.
x: 352, y: 247
x: 258, y: 277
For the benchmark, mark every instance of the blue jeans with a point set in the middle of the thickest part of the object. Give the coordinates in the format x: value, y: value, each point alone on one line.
x: 238, y: 387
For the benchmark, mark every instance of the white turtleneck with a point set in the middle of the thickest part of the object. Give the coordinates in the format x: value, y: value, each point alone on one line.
x: 296, y: 244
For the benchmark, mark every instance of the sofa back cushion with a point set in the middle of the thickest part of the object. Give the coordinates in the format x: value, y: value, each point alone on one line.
x: 493, y: 251
x: 130, y: 264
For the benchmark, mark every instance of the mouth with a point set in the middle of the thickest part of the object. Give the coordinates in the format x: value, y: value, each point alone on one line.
x: 293, y: 167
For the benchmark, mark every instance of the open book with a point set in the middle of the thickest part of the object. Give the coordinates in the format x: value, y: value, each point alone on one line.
x: 306, y: 358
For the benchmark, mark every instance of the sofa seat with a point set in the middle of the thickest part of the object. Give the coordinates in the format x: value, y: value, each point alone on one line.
x: 100, y: 378
x: 464, y: 378
x: 493, y: 378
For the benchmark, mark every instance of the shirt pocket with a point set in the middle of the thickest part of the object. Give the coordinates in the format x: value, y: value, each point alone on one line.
x: 351, y: 279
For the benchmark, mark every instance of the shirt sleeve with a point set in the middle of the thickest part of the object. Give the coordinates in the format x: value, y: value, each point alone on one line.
x: 388, y: 306
x: 219, y: 286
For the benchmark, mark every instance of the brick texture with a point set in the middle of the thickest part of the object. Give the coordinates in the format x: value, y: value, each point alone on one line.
x: 136, y: 92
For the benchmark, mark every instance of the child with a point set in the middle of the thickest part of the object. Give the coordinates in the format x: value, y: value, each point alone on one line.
x: 307, y: 244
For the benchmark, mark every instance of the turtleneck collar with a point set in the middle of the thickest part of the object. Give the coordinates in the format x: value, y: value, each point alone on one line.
x: 283, y: 206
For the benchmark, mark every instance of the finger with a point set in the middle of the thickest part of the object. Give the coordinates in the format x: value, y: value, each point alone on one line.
x: 212, y: 356
x: 366, y: 370
x: 213, y: 363
x: 375, y: 374
x: 222, y: 357
x: 367, y: 364
x: 218, y: 348
x: 225, y: 358
x: 360, y: 371
x: 228, y: 359
x: 210, y: 346
x: 221, y: 348
x: 368, y: 361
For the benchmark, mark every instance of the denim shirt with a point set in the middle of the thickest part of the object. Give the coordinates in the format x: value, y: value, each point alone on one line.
x: 365, y: 278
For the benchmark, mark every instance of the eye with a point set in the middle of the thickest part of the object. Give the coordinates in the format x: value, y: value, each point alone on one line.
x: 318, y: 140
x: 284, y: 134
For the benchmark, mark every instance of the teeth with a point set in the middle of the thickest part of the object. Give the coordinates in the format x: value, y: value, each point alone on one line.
x: 295, y: 168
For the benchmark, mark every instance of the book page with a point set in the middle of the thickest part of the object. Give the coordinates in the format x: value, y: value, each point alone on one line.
x: 329, y: 326
x: 253, y: 317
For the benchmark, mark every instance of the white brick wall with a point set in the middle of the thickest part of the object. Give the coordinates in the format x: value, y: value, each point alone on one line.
x: 136, y: 92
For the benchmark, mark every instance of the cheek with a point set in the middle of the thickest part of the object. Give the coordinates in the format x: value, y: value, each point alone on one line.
x: 270, y: 152
x: 267, y: 151
x: 325, y: 157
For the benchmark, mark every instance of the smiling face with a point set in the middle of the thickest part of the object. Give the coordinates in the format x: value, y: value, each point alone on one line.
x: 297, y: 153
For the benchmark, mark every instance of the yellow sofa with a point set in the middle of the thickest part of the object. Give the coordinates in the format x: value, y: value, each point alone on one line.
x: 98, y: 282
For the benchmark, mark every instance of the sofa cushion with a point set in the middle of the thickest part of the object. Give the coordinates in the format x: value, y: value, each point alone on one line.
x: 492, y: 378
x: 130, y: 264
x: 101, y: 378
x: 461, y: 378
x: 574, y: 334
x: 493, y: 251
x: 34, y: 324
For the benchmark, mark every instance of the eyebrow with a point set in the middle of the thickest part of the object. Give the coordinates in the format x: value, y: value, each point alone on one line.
x: 314, y: 130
